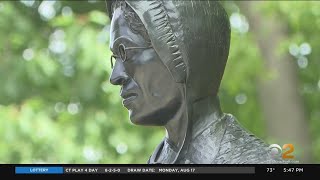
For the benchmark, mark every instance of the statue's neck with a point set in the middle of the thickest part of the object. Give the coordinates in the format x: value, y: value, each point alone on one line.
x: 204, y: 112
x: 176, y: 128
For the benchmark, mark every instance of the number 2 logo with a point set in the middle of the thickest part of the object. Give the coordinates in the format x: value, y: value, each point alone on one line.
x: 285, y: 155
x: 276, y: 150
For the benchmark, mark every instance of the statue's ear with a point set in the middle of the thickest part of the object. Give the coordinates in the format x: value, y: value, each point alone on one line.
x: 109, y: 5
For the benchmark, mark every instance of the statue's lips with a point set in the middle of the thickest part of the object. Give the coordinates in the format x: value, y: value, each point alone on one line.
x: 128, y: 97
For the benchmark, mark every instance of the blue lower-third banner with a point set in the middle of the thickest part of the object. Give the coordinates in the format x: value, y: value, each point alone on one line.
x: 39, y: 170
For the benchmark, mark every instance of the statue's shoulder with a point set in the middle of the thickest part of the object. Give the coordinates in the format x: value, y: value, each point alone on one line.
x: 240, y: 146
x: 226, y: 142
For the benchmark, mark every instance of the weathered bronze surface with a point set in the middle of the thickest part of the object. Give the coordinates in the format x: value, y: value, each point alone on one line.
x: 169, y: 58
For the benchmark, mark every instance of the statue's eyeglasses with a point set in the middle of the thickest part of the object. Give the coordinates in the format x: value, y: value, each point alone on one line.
x: 123, y: 54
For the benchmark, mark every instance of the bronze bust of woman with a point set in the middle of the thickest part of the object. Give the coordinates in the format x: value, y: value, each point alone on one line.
x: 169, y: 58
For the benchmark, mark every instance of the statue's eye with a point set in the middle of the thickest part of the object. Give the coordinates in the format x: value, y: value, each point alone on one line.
x: 122, y: 52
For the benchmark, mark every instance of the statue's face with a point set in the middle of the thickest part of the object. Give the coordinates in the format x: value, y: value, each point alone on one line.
x: 148, y: 90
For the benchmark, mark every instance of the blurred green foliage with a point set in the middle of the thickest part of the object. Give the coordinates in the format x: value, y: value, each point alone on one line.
x: 57, y: 105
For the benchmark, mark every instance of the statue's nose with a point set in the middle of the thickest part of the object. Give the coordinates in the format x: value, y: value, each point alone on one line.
x: 118, y: 75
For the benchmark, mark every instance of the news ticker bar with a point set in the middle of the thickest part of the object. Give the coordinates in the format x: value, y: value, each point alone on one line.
x: 133, y: 170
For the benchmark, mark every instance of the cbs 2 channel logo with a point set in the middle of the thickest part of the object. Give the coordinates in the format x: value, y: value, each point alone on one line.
x: 276, y: 150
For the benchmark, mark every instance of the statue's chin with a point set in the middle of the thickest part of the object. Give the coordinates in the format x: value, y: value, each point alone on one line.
x: 144, y: 120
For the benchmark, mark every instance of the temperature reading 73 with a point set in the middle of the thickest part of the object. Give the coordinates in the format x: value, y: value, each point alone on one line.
x: 270, y: 170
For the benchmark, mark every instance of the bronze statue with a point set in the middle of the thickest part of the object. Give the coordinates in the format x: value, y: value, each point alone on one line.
x: 169, y: 58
